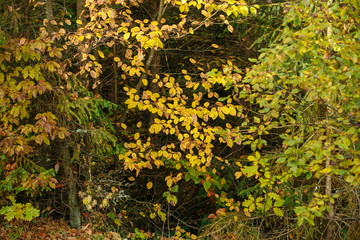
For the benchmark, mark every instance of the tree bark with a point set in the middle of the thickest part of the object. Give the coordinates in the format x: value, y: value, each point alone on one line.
x: 27, y: 19
x: 49, y: 15
x: 49, y: 10
x: 154, y: 88
x: 73, y: 203
x: 115, y: 69
x: 80, y: 7
x: 328, y: 191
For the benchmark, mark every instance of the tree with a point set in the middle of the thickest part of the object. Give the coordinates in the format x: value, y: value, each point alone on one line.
x: 190, y: 120
x: 42, y: 103
x: 183, y: 112
x: 305, y: 88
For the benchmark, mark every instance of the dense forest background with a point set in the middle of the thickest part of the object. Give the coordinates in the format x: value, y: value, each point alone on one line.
x: 179, y: 119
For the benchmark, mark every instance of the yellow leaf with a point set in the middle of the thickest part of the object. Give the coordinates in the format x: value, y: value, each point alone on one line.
x: 123, y: 125
x: 131, y: 179
x: 61, y: 135
x: 149, y: 185
x: 238, y: 174
x: 169, y: 182
x: 232, y: 111
x: 116, y: 59
x: 215, y: 45
x: 196, y: 86
x: 172, y: 92
x: 101, y: 54
x: 139, y: 124
x: 79, y: 21
x: 253, y: 10
x: 221, y: 115
x: 178, y: 166
x: 132, y: 71
x: 25, y: 73
x: 325, y: 171
x: 136, y: 136
x: 144, y: 39
x: 160, y: 43
x: 225, y: 110
x: 187, y: 77
x: 193, y: 61
x: 145, y: 82
x: 244, y: 10
x: 180, y: 137
x: 126, y: 36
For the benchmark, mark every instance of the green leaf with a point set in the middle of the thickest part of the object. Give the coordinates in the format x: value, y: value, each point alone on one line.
x: 111, y: 215
x: 5, y: 210
x: 207, y: 185
x: 223, y: 98
x: 278, y: 212
x: 175, y: 188
x: 250, y: 170
x: 279, y: 203
x: 31, y: 212
x: 187, y: 176
x: 274, y: 196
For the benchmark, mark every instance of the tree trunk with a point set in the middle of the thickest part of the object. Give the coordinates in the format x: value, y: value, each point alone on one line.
x: 74, y: 207
x: 115, y: 69
x: 49, y: 15
x: 154, y: 88
x: 328, y: 190
x: 49, y: 10
x: 80, y: 7
x: 27, y: 19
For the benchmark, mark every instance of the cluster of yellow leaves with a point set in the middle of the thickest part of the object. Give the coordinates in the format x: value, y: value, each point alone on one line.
x: 138, y: 35
x: 188, y: 109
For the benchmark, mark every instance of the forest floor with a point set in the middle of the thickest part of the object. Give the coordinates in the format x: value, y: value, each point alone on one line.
x: 48, y: 228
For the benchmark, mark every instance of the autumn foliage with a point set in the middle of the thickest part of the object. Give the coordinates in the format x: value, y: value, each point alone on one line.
x: 181, y: 119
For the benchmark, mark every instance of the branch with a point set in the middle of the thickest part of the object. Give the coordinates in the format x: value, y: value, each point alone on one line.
x: 203, y: 22
x: 144, y: 75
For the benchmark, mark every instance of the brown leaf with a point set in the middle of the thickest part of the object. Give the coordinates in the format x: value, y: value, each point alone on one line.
x: 115, y: 236
x: 57, y: 166
x: 93, y: 74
